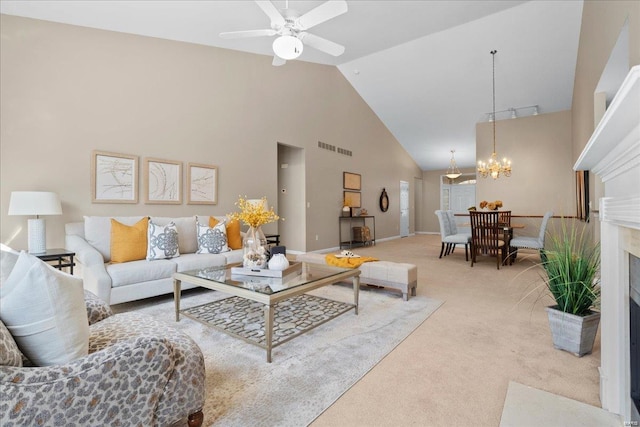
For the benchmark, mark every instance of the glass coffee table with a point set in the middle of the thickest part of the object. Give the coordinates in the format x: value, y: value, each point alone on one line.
x: 268, y: 291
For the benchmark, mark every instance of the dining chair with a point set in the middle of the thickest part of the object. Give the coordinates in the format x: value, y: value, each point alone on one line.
x: 504, y: 218
x: 531, y: 242
x: 450, y: 235
x: 487, y: 236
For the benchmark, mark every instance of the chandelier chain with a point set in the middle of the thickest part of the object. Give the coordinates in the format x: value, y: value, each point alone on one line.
x: 493, y: 56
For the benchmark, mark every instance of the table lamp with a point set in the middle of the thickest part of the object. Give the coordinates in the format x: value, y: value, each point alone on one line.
x: 35, y: 203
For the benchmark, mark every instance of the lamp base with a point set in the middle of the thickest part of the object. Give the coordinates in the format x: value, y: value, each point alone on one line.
x: 37, y: 236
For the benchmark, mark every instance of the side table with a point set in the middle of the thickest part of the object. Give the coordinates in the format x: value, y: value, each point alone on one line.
x: 61, y: 257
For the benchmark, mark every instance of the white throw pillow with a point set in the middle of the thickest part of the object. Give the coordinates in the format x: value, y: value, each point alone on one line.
x: 162, y: 241
x: 45, y: 312
x: 212, y: 240
x: 8, y: 258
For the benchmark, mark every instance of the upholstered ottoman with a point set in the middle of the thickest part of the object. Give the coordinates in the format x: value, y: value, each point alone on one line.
x: 395, y: 275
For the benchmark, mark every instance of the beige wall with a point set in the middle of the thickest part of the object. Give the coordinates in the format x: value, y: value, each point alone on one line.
x: 540, y: 150
x: 601, y: 25
x: 542, y: 179
x: 68, y: 90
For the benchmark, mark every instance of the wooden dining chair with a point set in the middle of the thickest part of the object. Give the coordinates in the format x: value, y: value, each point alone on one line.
x: 487, y: 236
x: 504, y: 218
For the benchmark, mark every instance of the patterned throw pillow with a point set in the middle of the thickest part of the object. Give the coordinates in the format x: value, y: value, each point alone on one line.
x: 234, y: 238
x: 212, y: 240
x: 163, y: 241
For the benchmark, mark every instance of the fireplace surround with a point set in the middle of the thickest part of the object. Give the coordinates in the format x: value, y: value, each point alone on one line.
x: 634, y: 332
x: 613, y: 154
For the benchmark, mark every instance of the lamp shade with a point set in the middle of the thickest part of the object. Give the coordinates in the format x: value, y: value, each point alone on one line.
x: 287, y: 47
x: 34, y: 203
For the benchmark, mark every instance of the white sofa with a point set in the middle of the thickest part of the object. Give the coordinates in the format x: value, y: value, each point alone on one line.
x: 121, y: 282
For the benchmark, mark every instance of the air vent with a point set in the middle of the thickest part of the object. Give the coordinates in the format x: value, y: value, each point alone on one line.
x: 333, y: 148
x: 325, y: 146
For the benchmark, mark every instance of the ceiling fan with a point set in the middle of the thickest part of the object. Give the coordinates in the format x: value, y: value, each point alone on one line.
x: 291, y: 29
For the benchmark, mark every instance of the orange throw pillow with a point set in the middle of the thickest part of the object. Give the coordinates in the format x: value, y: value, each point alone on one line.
x: 129, y: 242
x: 234, y: 239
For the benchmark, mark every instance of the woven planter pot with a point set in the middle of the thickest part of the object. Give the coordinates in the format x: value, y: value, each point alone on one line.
x: 572, y: 333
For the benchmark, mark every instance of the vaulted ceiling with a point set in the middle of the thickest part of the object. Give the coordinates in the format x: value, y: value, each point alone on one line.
x: 424, y: 67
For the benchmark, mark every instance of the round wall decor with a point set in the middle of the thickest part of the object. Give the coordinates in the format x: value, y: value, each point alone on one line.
x: 384, y: 201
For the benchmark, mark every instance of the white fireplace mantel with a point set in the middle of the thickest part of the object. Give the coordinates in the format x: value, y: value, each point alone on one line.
x: 613, y: 153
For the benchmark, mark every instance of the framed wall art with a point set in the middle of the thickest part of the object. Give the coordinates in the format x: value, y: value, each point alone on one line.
x: 351, y: 199
x: 162, y: 181
x: 114, y: 177
x: 351, y: 181
x: 202, y: 184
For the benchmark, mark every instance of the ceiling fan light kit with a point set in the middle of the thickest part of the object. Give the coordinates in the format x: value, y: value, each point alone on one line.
x: 291, y: 30
x: 287, y: 47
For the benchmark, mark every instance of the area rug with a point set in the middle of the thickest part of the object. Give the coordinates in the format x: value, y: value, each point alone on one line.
x: 309, y: 372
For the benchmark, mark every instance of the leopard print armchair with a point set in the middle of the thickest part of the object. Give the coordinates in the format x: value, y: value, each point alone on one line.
x: 139, y: 372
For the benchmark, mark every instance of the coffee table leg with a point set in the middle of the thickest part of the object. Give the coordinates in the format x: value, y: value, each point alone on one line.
x: 268, y: 328
x: 176, y: 297
x: 356, y: 291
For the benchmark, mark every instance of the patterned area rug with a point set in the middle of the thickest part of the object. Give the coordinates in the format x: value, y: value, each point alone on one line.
x: 245, y: 319
x: 309, y: 372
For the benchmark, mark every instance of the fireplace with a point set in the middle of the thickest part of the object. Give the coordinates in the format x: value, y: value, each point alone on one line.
x: 613, y: 155
x: 634, y: 333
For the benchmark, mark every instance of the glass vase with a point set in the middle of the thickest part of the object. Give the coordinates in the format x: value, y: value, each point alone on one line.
x: 255, y: 253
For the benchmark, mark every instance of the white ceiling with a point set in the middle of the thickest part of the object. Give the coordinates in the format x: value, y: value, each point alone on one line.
x: 424, y: 67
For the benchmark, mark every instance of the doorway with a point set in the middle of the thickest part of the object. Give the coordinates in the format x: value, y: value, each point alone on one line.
x: 291, y: 197
x: 404, y: 209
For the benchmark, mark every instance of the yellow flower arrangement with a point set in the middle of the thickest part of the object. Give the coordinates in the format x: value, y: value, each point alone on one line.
x: 253, y: 214
x: 492, y: 206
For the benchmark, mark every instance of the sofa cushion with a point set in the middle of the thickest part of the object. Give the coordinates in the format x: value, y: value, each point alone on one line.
x: 234, y: 238
x: 162, y: 241
x: 128, y: 243
x: 233, y: 256
x: 197, y: 261
x: 212, y: 240
x: 128, y: 273
x: 44, y: 310
x: 187, y: 238
x: 97, y: 231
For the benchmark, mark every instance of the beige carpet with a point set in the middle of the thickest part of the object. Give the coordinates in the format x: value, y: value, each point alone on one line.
x: 455, y: 369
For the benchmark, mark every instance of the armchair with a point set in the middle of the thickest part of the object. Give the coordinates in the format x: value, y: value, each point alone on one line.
x: 138, y: 372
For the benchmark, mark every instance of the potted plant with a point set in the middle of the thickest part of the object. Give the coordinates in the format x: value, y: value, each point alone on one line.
x: 571, y: 264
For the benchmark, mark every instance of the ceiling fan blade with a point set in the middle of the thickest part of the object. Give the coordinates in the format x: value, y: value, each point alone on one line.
x: 248, y: 33
x: 271, y: 11
x: 324, y: 45
x: 322, y: 13
x: 277, y: 61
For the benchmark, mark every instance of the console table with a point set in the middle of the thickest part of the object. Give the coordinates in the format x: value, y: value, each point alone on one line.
x: 358, y: 220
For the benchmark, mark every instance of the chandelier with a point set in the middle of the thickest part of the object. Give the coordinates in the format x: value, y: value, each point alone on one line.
x: 494, y: 167
x: 453, y: 172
